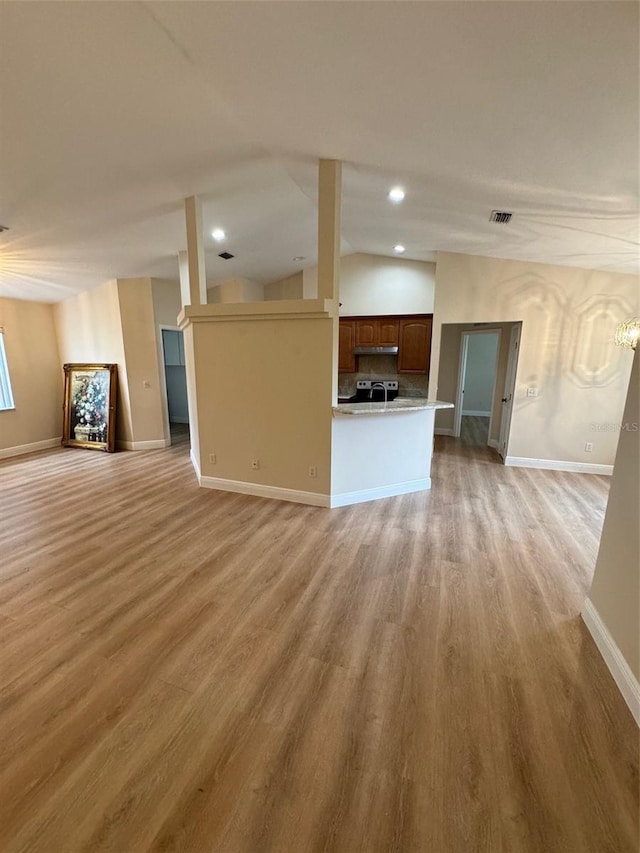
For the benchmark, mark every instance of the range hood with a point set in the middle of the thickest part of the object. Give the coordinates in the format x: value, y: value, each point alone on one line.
x: 376, y: 350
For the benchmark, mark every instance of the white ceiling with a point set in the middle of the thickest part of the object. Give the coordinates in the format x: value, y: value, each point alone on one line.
x: 112, y: 113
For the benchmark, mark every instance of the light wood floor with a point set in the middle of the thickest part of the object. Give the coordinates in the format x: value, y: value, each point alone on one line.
x: 187, y: 670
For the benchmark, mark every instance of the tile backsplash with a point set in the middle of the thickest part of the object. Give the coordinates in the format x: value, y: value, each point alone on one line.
x: 383, y: 367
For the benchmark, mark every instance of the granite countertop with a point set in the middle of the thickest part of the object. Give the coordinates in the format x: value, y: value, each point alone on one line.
x: 400, y: 404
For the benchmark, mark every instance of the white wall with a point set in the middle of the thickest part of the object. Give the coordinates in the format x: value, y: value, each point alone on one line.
x: 480, y: 374
x: 567, y: 348
x: 616, y: 583
x: 369, y: 285
x: 401, y: 445
x: 373, y: 284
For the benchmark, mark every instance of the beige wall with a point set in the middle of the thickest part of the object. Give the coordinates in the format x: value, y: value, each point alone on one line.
x: 450, y: 344
x: 567, y: 351
x: 263, y: 391
x: 616, y: 583
x: 89, y: 331
x: 141, y: 358
x: 167, y: 304
x: 166, y: 301
x: 285, y: 288
x: 35, y: 373
x: 114, y: 323
x: 235, y: 290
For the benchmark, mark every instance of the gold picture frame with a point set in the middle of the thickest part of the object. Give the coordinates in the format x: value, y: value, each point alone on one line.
x: 89, y: 411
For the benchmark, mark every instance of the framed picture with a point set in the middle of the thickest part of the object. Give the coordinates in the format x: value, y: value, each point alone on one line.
x: 90, y: 406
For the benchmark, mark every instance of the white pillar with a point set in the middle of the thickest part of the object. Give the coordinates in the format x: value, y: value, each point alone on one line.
x: 329, y: 209
x: 195, y: 251
x: 183, y: 265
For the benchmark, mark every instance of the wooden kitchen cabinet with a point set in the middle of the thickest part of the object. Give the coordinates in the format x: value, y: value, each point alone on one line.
x: 366, y: 332
x: 346, y: 343
x: 412, y: 336
x: 377, y: 332
x: 388, y: 332
x: 414, y: 346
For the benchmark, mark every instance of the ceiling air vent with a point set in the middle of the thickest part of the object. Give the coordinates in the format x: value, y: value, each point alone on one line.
x: 226, y: 255
x: 501, y: 216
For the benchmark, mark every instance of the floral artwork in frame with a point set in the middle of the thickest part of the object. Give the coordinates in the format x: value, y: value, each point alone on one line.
x: 90, y: 406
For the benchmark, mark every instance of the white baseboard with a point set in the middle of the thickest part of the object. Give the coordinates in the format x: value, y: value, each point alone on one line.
x: 493, y: 442
x: 21, y: 449
x: 443, y: 431
x: 155, y: 444
x: 476, y: 414
x: 558, y: 465
x: 196, y: 467
x: 259, y: 490
x: 617, y: 665
x: 348, y: 498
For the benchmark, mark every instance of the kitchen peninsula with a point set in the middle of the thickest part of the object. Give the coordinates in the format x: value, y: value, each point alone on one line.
x: 380, y: 449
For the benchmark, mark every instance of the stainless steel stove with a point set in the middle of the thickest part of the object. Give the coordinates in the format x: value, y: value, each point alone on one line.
x: 374, y: 391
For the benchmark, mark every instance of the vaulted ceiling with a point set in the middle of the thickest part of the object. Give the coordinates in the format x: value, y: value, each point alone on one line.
x: 112, y: 113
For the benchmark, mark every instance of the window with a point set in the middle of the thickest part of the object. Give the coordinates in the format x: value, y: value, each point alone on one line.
x: 6, y: 397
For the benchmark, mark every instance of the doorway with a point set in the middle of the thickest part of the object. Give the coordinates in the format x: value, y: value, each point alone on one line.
x: 477, y: 383
x: 175, y: 377
x: 477, y: 373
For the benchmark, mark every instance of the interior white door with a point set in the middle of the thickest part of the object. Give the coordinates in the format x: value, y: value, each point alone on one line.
x: 462, y: 369
x: 509, y: 390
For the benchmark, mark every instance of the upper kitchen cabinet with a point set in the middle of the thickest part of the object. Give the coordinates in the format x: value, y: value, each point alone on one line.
x: 346, y: 339
x: 377, y: 332
x: 414, y: 346
x: 412, y: 336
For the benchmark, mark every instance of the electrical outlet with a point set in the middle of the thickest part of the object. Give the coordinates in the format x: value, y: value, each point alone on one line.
x: 212, y: 458
x: 532, y: 392
x: 146, y: 383
x: 313, y: 471
x: 588, y: 447
x: 255, y: 464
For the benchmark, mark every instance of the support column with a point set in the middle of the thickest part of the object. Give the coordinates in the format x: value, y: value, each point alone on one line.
x: 329, y: 210
x: 195, y: 251
x: 183, y: 265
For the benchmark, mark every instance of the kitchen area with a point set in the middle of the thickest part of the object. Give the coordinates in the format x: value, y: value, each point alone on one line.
x: 383, y: 368
x: 352, y: 335
x: 360, y: 426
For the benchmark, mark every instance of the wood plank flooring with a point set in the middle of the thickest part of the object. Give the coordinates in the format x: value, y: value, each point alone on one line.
x: 189, y: 670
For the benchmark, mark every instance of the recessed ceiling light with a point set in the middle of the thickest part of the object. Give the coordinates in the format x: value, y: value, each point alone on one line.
x: 396, y: 195
x: 399, y: 249
x: 218, y: 235
x: 299, y: 258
